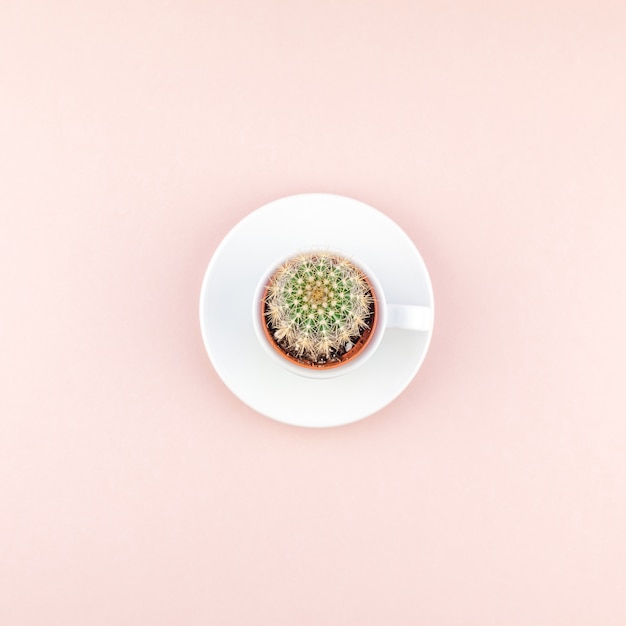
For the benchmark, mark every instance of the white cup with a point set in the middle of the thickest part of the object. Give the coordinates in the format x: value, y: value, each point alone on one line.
x: 405, y: 316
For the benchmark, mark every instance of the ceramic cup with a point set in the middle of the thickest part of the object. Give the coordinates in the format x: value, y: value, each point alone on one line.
x: 387, y: 315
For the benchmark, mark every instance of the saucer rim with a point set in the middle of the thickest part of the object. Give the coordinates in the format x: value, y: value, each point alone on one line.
x: 234, y: 232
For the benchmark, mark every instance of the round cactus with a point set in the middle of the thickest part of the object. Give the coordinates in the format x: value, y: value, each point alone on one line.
x: 317, y: 306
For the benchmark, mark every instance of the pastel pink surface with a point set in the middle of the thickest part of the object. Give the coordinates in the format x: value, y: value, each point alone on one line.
x: 136, y: 489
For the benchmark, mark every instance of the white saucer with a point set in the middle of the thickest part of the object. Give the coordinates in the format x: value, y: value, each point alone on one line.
x: 291, y: 225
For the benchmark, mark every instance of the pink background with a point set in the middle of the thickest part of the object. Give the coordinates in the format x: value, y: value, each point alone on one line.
x: 135, y: 489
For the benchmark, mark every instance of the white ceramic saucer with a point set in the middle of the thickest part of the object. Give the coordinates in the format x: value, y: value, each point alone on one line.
x: 296, y: 224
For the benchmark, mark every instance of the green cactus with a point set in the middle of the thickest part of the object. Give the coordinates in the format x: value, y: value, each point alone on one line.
x: 317, y: 306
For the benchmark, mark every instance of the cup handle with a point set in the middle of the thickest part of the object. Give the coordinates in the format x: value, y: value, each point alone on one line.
x: 409, y: 317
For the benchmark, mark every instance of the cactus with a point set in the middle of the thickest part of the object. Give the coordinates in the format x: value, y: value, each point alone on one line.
x: 317, y: 305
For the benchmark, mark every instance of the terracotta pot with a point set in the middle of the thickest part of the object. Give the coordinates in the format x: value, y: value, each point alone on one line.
x: 346, y: 357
